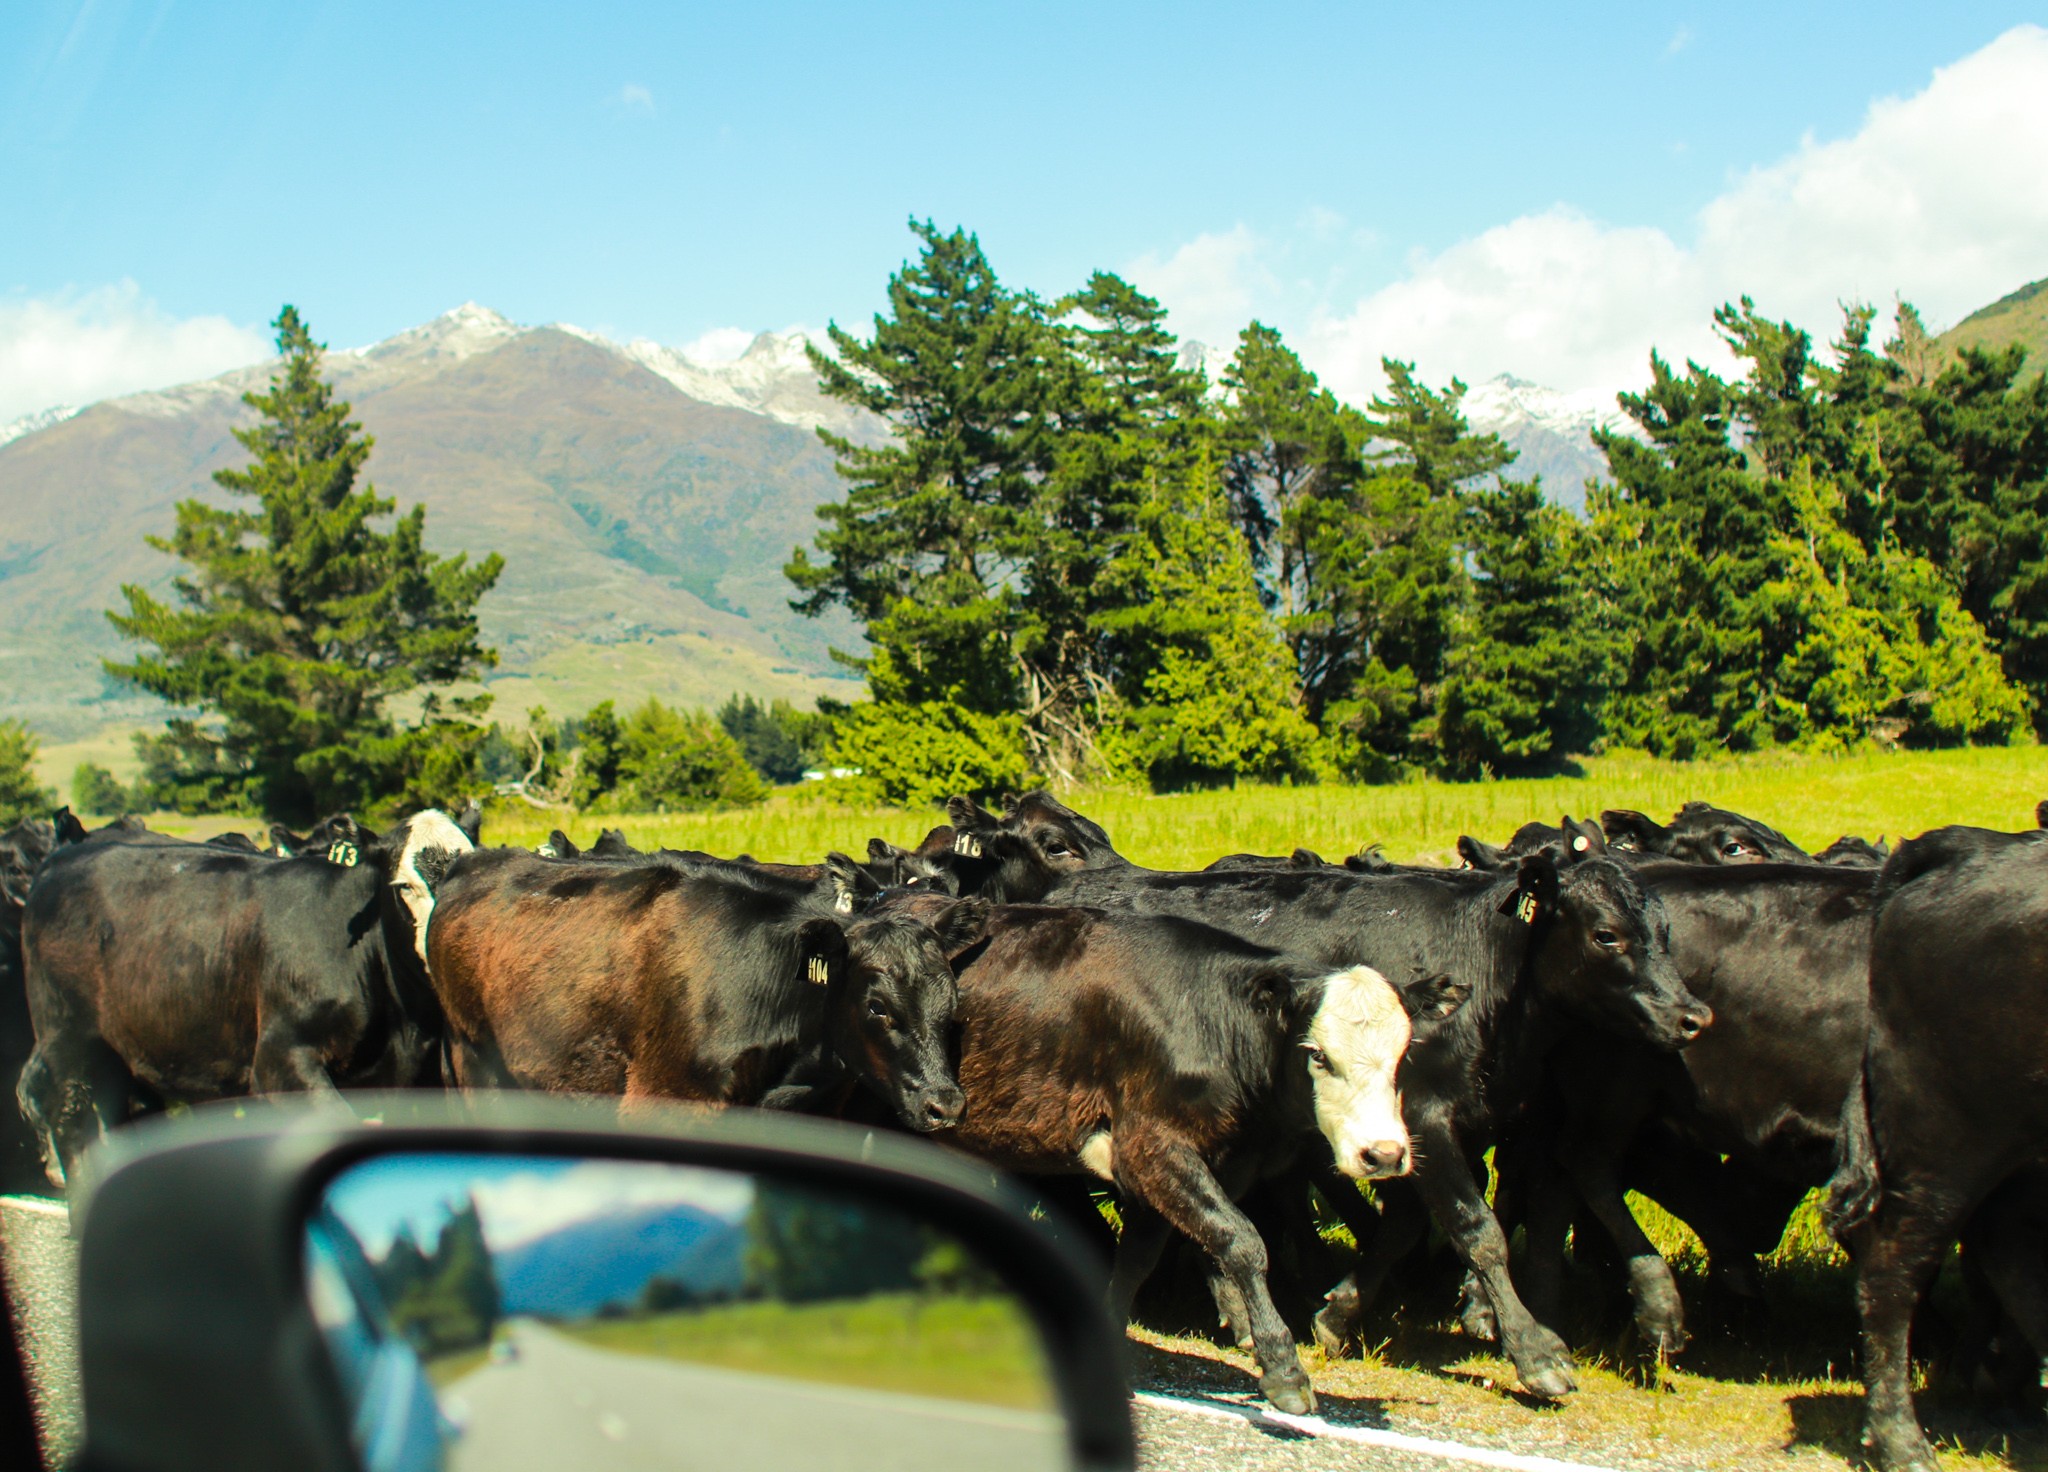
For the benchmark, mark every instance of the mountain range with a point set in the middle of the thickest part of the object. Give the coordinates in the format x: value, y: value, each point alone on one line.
x: 644, y: 500
x: 609, y: 1259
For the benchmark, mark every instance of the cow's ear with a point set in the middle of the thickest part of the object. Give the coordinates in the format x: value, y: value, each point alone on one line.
x: 881, y: 848
x: 1583, y: 840
x: 1369, y: 860
x: 1435, y: 997
x: 69, y: 829
x: 821, y: 950
x: 2041, y: 813
x: 1634, y: 832
x: 852, y: 886
x: 1476, y: 854
x: 973, y: 826
x: 471, y: 821
x: 960, y: 925
x: 1306, y: 858
x: 1009, y: 802
x: 1535, y: 893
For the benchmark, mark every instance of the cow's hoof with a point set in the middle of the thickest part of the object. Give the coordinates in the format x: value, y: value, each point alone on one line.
x: 1663, y: 1338
x: 1552, y: 1383
x: 1477, y: 1320
x: 1290, y: 1394
x: 1333, y: 1330
x: 1546, y: 1369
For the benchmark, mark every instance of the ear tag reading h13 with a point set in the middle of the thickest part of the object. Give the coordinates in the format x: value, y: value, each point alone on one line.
x: 844, y: 903
x: 344, y: 853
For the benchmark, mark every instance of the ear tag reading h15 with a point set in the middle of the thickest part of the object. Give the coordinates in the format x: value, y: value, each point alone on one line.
x: 967, y: 845
x: 817, y: 971
x: 344, y: 853
x: 1525, y: 908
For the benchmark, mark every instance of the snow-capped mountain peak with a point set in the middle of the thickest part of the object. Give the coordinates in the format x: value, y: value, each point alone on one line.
x: 460, y: 333
x: 1507, y: 400
x: 30, y: 423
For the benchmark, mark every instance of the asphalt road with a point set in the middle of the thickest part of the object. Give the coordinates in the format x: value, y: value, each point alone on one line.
x: 41, y: 1265
x: 565, y: 1404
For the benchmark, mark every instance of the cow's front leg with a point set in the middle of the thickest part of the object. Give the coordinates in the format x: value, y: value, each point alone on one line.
x: 1458, y: 1203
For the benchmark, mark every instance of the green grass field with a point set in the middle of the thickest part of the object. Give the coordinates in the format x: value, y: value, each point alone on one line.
x: 979, y: 1349
x: 1812, y: 799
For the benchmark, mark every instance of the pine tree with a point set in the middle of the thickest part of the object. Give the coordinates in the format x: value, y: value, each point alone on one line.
x: 21, y: 796
x: 925, y: 547
x: 300, y: 620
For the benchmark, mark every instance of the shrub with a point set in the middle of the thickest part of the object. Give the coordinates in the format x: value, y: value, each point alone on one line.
x: 916, y: 755
x: 21, y: 796
x: 672, y: 761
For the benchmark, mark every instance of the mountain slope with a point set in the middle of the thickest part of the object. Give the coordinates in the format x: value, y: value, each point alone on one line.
x: 610, y: 1259
x: 644, y: 530
x: 2019, y: 318
x: 1551, y: 433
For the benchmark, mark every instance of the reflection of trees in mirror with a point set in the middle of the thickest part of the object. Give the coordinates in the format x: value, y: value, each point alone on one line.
x: 445, y: 1300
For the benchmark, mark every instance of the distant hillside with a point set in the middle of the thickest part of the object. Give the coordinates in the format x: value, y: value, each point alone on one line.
x: 609, y: 1259
x: 644, y: 526
x: 2019, y: 318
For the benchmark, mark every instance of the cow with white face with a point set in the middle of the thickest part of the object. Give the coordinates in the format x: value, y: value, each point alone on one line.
x: 1179, y: 1062
x: 1355, y: 1039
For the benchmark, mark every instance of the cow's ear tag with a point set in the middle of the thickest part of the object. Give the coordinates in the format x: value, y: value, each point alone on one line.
x: 1525, y: 907
x: 818, y: 971
x: 844, y: 903
x: 344, y: 853
x: 967, y: 845
x: 1580, y: 843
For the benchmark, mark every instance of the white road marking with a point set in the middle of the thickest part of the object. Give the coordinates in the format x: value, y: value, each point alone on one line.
x: 1316, y: 1426
x: 35, y: 1204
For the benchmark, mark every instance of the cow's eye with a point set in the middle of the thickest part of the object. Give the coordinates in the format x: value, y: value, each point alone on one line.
x: 1318, y: 1059
x: 1734, y: 849
x: 879, y: 1009
x: 1608, y: 938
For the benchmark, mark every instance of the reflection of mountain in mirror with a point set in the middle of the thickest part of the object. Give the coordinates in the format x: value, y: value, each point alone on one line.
x: 622, y: 1313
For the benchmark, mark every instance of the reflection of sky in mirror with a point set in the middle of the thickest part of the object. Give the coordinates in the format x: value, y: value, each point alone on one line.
x: 518, y: 1197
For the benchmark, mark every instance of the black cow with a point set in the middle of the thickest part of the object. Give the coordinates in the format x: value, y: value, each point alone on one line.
x: 676, y: 978
x: 1178, y: 1062
x: 1947, y: 1134
x: 23, y: 848
x: 163, y: 972
x: 1533, y: 948
x: 1567, y: 843
x: 1701, y: 833
x: 1781, y: 952
x: 336, y: 828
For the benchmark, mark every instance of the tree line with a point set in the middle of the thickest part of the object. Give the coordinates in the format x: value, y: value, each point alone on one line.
x: 1077, y: 558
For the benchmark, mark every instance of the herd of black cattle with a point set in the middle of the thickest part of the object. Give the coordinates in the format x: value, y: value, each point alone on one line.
x: 1700, y: 1012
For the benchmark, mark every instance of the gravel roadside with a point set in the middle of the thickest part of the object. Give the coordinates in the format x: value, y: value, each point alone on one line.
x: 41, y: 1264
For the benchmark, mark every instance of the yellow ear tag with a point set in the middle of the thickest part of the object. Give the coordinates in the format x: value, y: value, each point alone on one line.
x: 1525, y: 908
x: 343, y: 853
x: 818, y: 971
x: 967, y: 845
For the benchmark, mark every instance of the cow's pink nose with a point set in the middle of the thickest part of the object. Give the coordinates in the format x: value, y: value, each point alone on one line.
x: 1384, y: 1158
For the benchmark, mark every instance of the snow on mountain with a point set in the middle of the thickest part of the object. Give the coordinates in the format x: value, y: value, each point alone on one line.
x: 772, y: 377
x: 1550, y: 432
x: 454, y: 335
x: 30, y: 423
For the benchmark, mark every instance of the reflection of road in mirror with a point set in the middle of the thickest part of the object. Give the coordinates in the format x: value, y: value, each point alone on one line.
x: 610, y: 1314
x: 558, y: 1403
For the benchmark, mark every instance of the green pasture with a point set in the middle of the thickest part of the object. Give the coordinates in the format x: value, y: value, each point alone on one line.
x: 955, y: 1347
x: 1812, y: 799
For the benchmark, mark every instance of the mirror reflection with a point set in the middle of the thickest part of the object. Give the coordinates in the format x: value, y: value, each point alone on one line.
x: 511, y: 1312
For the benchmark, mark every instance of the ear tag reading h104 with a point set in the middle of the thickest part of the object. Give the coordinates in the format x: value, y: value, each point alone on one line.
x: 344, y: 853
x: 817, y: 971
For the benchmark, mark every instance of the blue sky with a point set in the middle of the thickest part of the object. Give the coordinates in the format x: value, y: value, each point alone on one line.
x: 174, y: 171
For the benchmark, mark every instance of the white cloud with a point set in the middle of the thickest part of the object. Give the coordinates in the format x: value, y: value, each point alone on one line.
x: 1680, y: 39
x: 633, y: 97
x: 75, y: 347
x: 1210, y: 286
x: 719, y: 345
x: 518, y: 1208
x: 1937, y: 197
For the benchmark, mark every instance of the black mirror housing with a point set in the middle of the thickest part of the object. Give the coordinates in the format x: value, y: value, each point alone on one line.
x: 198, y: 1344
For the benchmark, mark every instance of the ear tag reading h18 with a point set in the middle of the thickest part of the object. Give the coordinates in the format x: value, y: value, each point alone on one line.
x: 344, y: 853
x: 967, y: 845
x: 817, y: 971
x: 1525, y: 908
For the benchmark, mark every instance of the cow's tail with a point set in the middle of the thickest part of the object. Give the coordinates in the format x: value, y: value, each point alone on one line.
x: 1854, y: 1190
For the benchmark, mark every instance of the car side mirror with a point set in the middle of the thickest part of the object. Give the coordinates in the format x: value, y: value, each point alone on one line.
x: 525, y: 1282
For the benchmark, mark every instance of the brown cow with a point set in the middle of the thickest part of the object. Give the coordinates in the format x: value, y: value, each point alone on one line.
x: 669, y: 977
